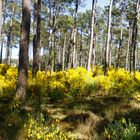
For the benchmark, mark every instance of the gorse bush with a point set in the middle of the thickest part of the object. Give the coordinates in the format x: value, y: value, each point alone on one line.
x: 8, y: 78
x: 122, y: 130
x: 71, y: 83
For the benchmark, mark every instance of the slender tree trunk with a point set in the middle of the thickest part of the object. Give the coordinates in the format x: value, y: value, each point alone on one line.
x: 48, y: 64
x: 81, y: 41
x: 110, y: 50
x: 120, y: 43
x: 56, y: 54
x: 75, y: 35
x: 119, y: 51
x: 108, y: 38
x: 69, y: 54
x: 36, y: 39
x: 59, y: 54
x: 92, y: 39
x: 1, y: 15
x: 69, y: 57
x: 93, y: 53
x: 128, y: 47
x: 50, y: 46
x: 135, y: 35
x: 110, y: 57
x: 8, y: 48
x: 53, y: 53
x: 55, y: 16
x: 134, y: 44
x: 131, y: 54
x: 63, y: 53
x: 23, y: 52
x: 74, y: 50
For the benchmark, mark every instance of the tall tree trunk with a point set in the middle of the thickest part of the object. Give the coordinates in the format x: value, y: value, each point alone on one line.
x: 135, y: 35
x: 92, y: 38
x: 120, y: 42
x: 75, y: 35
x: 23, y: 52
x: 48, y: 63
x: 55, y: 16
x: 1, y: 15
x: 69, y: 56
x: 94, y: 52
x: 134, y: 44
x: 110, y: 50
x: 110, y: 57
x: 128, y: 47
x: 59, y: 54
x: 36, y: 39
x: 52, y: 54
x: 119, y: 49
x: 108, y: 39
x: 63, y: 53
x: 131, y: 53
x: 69, y: 51
x: 81, y: 41
x: 8, y: 48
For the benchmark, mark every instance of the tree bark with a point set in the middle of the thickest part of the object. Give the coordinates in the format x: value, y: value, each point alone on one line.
x: 135, y: 36
x: 75, y: 35
x: 128, y: 47
x: 55, y: 16
x: 23, y: 52
x: 1, y: 15
x: 119, y: 49
x: 8, y: 48
x: 81, y: 41
x: 63, y: 53
x: 108, y: 39
x: 69, y: 56
x: 92, y: 39
x: 36, y: 39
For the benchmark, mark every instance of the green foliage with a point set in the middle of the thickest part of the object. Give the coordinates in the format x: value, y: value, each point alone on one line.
x: 122, y: 130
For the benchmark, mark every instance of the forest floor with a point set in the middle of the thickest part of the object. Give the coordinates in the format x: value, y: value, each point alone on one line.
x: 85, y: 117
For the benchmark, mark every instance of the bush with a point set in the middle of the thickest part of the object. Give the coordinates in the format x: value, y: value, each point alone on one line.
x: 37, y: 128
x: 71, y: 83
x: 122, y: 130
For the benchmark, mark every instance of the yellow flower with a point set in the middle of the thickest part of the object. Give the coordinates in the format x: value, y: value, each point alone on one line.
x: 123, y: 121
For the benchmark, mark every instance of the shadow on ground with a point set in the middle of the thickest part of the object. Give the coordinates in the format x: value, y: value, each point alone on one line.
x: 85, y: 117
x: 89, y: 116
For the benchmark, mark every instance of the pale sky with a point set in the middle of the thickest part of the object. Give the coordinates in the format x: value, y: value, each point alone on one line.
x: 87, y: 4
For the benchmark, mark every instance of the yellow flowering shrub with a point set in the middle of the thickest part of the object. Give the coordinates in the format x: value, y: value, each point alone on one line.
x: 41, y: 76
x: 2, y: 83
x: 41, y: 129
x: 137, y: 76
x: 71, y: 83
x: 75, y: 81
x: 98, y: 70
x: 79, y: 81
x: 120, y: 75
x: 121, y: 80
x: 103, y: 82
x: 8, y: 78
x: 11, y: 77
